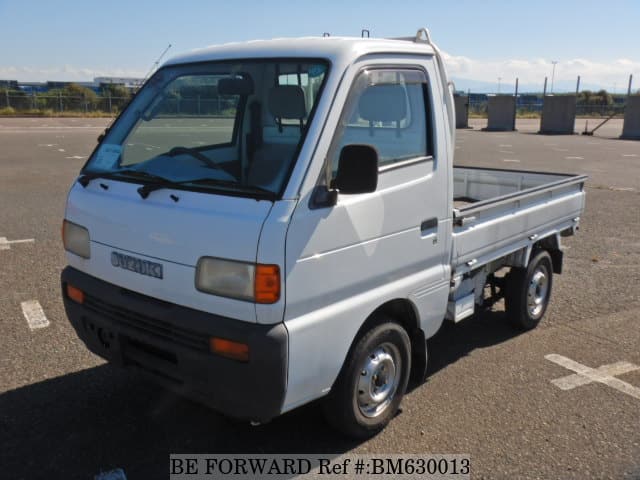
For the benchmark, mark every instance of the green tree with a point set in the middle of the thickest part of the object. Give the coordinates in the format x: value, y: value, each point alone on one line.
x: 585, y: 97
x: 79, y: 98
x: 115, y: 96
x: 10, y: 97
x: 605, y: 98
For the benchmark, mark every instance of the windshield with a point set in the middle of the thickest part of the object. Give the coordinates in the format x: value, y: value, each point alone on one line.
x: 232, y: 127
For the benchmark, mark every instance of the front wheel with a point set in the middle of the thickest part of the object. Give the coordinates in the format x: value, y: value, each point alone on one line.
x: 372, y: 383
x: 528, y: 291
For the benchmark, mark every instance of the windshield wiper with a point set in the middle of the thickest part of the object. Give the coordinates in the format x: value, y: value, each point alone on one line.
x: 247, y: 188
x: 145, y: 190
x: 175, y: 151
x: 86, y: 178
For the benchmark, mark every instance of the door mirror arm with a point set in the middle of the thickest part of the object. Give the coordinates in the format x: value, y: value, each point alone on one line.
x: 323, y: 197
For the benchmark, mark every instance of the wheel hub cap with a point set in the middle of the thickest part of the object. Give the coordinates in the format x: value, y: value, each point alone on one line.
x: 378, y: 380
x: 537, y: 292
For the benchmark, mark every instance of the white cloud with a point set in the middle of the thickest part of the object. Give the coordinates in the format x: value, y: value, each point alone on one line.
x: 532, y: 71
x: 63, y: 73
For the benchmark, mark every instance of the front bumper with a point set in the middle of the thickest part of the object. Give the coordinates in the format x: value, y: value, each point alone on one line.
x: 170, y: 344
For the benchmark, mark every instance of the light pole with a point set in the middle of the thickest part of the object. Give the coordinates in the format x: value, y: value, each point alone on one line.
x: 553, y: 73
x: 499, y: 79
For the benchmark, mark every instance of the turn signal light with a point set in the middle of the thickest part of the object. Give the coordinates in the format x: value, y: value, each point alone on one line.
x: 230, y: 349
x: 75, y: 294
x: 267, y: 286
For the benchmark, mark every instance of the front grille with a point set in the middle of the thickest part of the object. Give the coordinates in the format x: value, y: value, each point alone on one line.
x: 148, y: 325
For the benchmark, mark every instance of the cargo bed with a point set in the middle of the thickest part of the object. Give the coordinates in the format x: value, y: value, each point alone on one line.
x: 501, y: 211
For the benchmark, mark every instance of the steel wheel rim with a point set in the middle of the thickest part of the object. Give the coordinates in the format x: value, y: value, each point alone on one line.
x: 538, y: 291
x: 378, y: 380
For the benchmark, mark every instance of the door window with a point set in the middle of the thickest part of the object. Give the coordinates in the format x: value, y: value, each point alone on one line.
x: 389, y: 110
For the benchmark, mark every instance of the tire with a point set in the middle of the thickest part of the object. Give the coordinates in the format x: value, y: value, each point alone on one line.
x: 373, y: 380
x: 528, y: 291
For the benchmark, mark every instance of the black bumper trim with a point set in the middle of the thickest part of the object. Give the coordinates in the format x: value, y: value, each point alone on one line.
x: 170, y: 344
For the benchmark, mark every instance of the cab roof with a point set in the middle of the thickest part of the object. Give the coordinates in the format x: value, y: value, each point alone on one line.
x: 335, y: 49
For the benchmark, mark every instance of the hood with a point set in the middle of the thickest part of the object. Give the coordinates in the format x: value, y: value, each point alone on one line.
x: 173, y: 233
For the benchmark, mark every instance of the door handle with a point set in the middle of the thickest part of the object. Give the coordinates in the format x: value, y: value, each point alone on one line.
x: 429, y: 224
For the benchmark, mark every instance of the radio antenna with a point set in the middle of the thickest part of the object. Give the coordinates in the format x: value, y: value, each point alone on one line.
x: 155, y: 65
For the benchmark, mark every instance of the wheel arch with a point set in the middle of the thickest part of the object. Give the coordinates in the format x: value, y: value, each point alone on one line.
x: 552, y: 245
x: 403, y: 312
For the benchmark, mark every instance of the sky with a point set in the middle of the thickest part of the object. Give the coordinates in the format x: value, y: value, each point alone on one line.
x: 483, y: 40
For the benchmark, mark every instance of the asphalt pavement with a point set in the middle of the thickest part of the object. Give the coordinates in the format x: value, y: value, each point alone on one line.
x: 66, y: 414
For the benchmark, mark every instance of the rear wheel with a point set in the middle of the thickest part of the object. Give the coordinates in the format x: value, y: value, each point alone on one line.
x: 528, y: 291
x: 372, y: 383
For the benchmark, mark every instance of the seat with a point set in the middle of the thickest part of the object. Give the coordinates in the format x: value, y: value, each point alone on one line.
x: 271, y: 160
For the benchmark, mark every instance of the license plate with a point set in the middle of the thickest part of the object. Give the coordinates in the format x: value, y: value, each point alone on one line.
x: 137, y: 265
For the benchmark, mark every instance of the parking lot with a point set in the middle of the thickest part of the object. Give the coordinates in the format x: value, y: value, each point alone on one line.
x: 64, y: 413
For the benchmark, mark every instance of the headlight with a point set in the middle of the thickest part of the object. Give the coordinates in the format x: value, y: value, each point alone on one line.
x: 240, y: 280
x: 76, y: 239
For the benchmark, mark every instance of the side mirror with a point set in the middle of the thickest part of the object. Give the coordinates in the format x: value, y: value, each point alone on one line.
x: 357, y: 170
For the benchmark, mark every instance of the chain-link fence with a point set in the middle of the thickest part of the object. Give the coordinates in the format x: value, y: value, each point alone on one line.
x: 109, y: 105
x: 531, y: 106
x: 60, y: 103
x: 221, y: 105
x: 583, y: 110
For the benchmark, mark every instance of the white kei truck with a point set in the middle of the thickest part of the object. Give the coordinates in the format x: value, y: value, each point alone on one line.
x: 273, y: 222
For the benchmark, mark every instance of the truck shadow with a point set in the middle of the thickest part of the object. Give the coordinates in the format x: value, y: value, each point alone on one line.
x: 455, y: 341
x: 102, y: 418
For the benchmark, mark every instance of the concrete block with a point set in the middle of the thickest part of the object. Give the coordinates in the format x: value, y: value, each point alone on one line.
x: 502, y: 113
x: 558, y: 115
x: 462, y: 111
x: 631, y: 127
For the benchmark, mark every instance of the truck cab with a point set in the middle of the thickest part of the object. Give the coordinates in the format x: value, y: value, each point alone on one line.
x: 272, y: 222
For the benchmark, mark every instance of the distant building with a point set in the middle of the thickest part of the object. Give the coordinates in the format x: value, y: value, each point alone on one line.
x: 13, y: 84
x: 96, y: 85
x: 31, y: 87
x: 129, y: 82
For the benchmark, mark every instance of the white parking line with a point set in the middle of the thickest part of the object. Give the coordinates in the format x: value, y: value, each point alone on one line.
x: 585, y: 375
x: 574, y: 158
x: 6, y: 244
x: 629, y: 155
x: 32, y: 311
x: 117, y: 474
x: 76, y: 157
x: 512, y: 160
